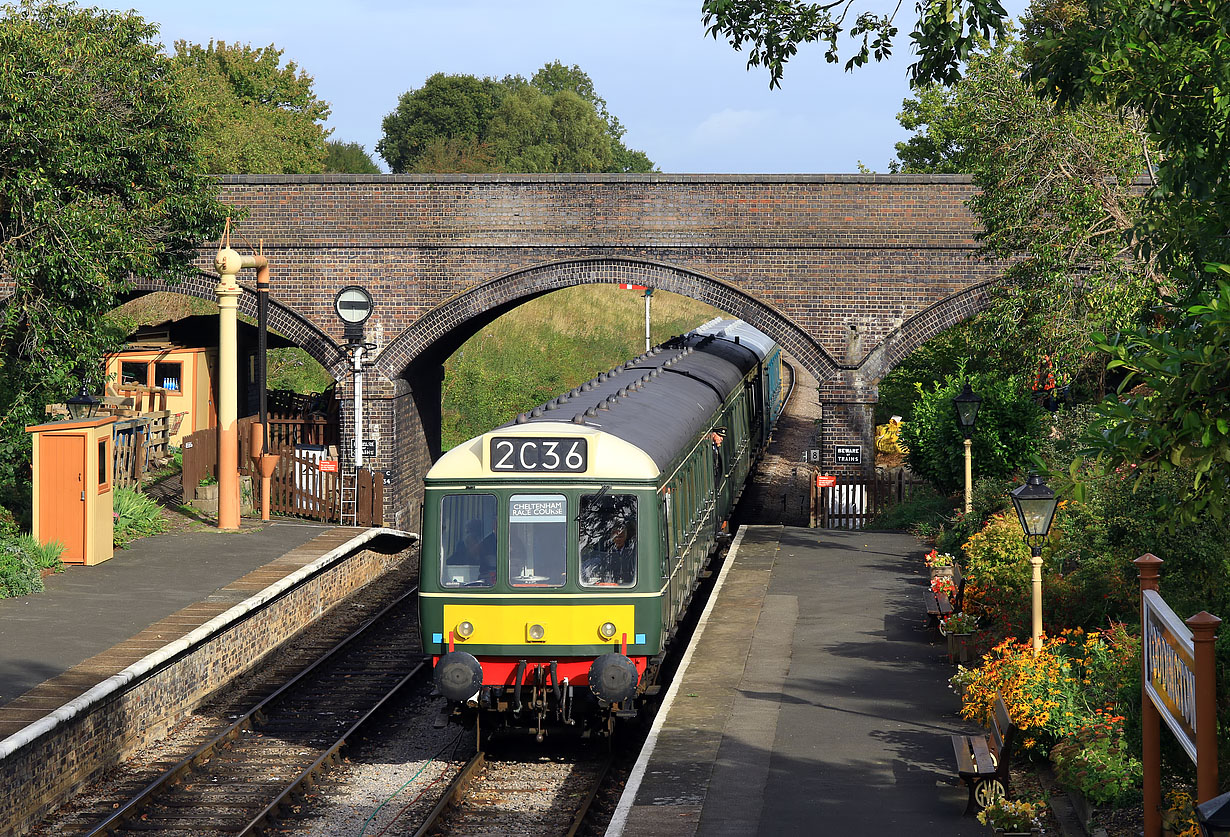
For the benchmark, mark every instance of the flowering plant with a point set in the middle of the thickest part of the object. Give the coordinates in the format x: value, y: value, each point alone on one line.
x: 1094, y: 761
x: 943, y: 584
x: 1011, y: 814
x: 959, y: 623
x: 939, y: 559
x: 1179, y: 814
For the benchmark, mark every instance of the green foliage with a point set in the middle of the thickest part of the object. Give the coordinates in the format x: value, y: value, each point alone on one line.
x: 22, y: 558
x: 549, y: 345
x: 136, y: 516
x: 294, y: 369
x: 925, y: 507
x: 555, y: 122
x: 1055, y: 202
x: 18, y: 574
x: 255, y: 115
x: 1008, y: 432
x: 103, y: 183
x: 773, y: 30
x: 348, y: 158
x: 1178, y: 420
x: 1095, y: 761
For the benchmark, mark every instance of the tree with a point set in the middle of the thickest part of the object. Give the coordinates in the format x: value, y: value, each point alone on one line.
x: 103, y: 181
x: 555, y: 78
x: 457, y: 107
x: 348, y: 158
x: 536, y: 132
x: 556, y: 121
x: 255, y: 116
x: 1056, y: 201
x: 943, y: 36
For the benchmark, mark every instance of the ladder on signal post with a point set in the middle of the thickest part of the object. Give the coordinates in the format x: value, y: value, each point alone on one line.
x: 350, y: 496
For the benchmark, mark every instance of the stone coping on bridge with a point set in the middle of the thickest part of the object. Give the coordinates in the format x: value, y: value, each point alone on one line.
x: 648, y: 177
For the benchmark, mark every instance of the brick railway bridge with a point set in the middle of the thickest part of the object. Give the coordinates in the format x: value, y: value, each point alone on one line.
x: 848, y: 272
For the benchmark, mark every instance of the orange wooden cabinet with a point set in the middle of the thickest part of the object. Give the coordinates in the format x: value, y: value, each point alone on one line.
x: 73, y: 500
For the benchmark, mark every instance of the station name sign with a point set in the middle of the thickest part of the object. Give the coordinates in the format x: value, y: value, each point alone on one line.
x: 529, y: 454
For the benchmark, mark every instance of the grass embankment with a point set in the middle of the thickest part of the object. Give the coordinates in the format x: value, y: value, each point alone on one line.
x: 550, y: 345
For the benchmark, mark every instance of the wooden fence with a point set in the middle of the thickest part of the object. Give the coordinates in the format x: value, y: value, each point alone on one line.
x: 298, y: 486
x: 141, y: 444
x: 854, y: 500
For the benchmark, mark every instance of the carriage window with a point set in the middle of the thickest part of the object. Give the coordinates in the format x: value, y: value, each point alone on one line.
x: 606, y: 530
x: 537, y: 540
x: 467, y: 540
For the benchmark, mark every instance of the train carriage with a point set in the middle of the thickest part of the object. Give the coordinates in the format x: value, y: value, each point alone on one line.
x: 561, y: 550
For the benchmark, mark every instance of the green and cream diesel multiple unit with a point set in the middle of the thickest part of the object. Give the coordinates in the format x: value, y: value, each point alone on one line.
x: 561, y: 550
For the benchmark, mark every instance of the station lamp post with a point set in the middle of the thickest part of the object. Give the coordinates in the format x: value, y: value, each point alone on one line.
x: 1035, y: 506
x: 967, y: 404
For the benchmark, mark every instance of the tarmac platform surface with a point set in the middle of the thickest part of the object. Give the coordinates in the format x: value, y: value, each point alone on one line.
x: 812, y: 701
x: 93, y: 622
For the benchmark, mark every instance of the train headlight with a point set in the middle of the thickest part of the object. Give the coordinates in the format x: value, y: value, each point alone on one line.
x: 535, y: 632
x: 465, y: 629
x: 607, y: 630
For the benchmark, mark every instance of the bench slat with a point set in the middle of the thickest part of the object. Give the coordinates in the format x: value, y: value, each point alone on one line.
x: 982, y: 755
x: 965, y: 761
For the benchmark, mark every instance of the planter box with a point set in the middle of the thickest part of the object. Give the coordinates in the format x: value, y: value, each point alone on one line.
x: 944, y: 572
x: 960, y: 648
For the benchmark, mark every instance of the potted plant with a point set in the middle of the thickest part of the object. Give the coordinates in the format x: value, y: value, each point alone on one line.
x: 959, y: 627
x: 1012, y: 817
x: 940, y: 563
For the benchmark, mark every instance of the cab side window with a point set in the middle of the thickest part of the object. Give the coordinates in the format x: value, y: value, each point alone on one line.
x: 468, y: 542
x: 607, y: 534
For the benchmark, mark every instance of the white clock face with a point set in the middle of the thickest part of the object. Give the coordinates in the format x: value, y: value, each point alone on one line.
x: 353, y: 305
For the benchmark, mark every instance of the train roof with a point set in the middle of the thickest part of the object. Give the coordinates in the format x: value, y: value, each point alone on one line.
x: 638, y: 417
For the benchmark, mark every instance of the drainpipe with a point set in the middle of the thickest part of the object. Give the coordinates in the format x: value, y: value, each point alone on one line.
x: 228, y: 264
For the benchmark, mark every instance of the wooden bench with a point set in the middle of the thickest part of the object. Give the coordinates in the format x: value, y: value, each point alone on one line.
x: 982, y: 760
x: 938, y: 606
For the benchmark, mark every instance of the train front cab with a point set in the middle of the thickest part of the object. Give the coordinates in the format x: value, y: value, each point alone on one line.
x: 541, y: 596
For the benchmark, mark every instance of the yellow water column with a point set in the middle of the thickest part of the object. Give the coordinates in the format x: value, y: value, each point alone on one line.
x: 228, y: 264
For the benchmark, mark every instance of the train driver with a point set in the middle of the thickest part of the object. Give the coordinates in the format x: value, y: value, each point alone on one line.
x: 475, y: 549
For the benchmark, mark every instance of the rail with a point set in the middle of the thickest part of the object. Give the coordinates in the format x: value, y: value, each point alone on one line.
x: 252, y: 720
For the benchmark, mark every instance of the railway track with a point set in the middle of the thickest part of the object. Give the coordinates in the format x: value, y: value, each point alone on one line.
x: 523, y: 795
x: 238, y: 781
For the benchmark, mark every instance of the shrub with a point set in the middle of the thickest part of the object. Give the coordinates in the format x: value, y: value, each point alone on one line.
x: 923, y: 512
x: 136, y: 516
x: 18, y: 574
x: 42, y: 556
x: 1009, y: 431
x: 1094, y: 761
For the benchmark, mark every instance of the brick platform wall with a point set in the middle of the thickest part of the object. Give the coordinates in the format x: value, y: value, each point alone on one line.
x: 35, y: 779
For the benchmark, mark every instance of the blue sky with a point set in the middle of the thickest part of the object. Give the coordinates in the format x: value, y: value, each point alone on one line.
x: 686, y: 100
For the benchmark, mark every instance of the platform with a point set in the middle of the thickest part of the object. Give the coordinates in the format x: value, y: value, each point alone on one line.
x: 93, y: 622
x: 816, y: 703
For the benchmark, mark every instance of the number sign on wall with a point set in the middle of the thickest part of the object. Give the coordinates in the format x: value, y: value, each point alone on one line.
x: 530, y: 454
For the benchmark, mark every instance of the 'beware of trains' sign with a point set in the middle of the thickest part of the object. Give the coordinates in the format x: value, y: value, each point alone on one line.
x: 848, y: 454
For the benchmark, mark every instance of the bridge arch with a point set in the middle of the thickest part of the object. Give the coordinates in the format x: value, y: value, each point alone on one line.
x: 283, y: 319
x: 438, y: 332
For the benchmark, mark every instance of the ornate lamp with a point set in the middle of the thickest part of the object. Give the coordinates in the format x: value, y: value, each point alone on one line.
x: 1035, y: 506
x: 82, y: 405
x: 967, y: 404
